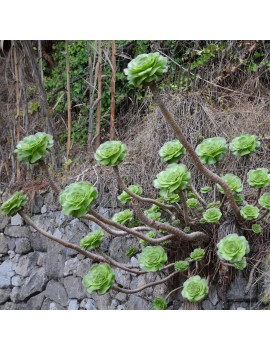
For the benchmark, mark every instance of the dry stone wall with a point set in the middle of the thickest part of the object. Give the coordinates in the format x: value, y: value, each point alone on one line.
x: 36, y: 273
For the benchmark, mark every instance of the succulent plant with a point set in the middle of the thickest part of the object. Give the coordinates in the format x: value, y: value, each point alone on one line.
x: 150, y: 234
x: 244, y: 145
x: 172, y: 151
x: 195, y: 289
x: 77, y: 198
x: 131, y: 251
x: 258, y: 178
x: 174, y: 178
x: 92, y: 240
x: 33, y: 148
x: 205, y: 189
x: 123, y: 217
x: 152, y: 258
x: 264, y: 201
x: 14, y: 204
x: 111, y: 153
x: 125, y: 197
x: 192, y: 203
x: 197, y: 254
x: 159, y: 303
x: 240, y: 264
x: 211, y: 150
x: 233, y: 182
x: 187, y: 230
x: 233, y: 248
x: 256, y: 228
x: 153, y: 213
x: 212, y: 215
x: 181, y: 266
x: 99, y: 279
x: 213, y: 204
x: 170, y: 198
x: 249, y: 212
x: 145, y: 69
x: 238, y: 198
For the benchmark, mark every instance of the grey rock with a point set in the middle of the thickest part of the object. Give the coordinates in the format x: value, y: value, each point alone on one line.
x: 6, y: 273
x: 15, y: 295
x: 13, y: 306
x: 3, y: 244
x: 50, y: 200
x: 38, y: 242
x: 43, y: 209
x: 23, y: 246
x: 213, y: 297
x: 241, y: 308
x: 88, y: 304
x: 73, y: 305
x: 17, y: 231
x: 207, y: 305
x: 119, y: 246
x: 4, y: 295
x: 120, y: 307
x: 122, y: 277
x: 55, y: 306
x: 33, y: 284
x: 26, y: 264
x: 113, y: 305
x: 134, y: 261
x: 46, y: 304
x: 17, y: 280
x: 71, y: 266
x: 57, y: 233
x: 237, y: 289
x: 74, y: 287
x: 102, y: 301
x: 74, y: 232
x: 35, y: 302
x: 55, y: 260
x: 16, y: 220
x: 83, y: 267
x: 41, y: 259
x: 38, y: 203
x: 11, y: 254
x: 56, y: 292
x: 11, y: 243
x: 4, y: 220
x: 137, y: 303
x: 121, y: 297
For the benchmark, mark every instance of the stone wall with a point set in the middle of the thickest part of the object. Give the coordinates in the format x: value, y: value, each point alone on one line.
x: 36, y: 273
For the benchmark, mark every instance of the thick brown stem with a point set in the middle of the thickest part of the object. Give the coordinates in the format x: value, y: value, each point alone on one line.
x: 209, y: 174
x: 185, y: 209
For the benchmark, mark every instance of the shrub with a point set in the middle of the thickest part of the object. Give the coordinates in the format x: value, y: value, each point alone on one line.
x: 211, y: 150
x: 195, y: 289
x: 152, y: 258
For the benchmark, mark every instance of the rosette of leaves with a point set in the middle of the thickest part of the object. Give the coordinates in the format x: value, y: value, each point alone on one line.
x: 205, y: 189
x: 211, y: 150
x: 256, y: 228
x: 159, y: 303
x: 145, y: 69
x: 192, y: 203
x: 152, y: 258
x: 77, y: 198
x: 181, y: 266
x: 258, y: 178
x: 111, y: 153
x: 131, y: 251
x: 34, y: 147
x: 212, y: 215
x: 233, y: 248
x: 239, y: 198
x: 197, y: 254
x: 233, y: 182
x: 92, y: 240
x: 172, y: 151
x: 153, y: 213
x: 170, y: 198
x: 125, y: 197
x: 191, y: 195
x: 187, y: 230
x: 195, y: 289
x: 264, y: 201
x: 150, y: 234
x: 240, y: 264
x: 213, y: 204
x: 174, y: 178
x: 99, y: 279
x: 249, y: 212
x: 14, y: 204
x: 244, y: 145
x: 123, y: 217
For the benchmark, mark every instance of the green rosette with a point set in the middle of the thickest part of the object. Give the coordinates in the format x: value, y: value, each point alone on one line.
x: 33, y: 148
x: 99, y: 279
x: 14, y: 204
x: 111, y: 153
x: 212, y: 215
x: 250, y: 212
x: 125, y: 197
x: 195, y: 289
x: 233, y: 248
x: 77, y: 198
x: 244, y: 145
x: 264, y: 201
x: 123, y: 217
x: 233, y: 182
x: 211, y: 150
x: 152, y: 258
x: 181, y: 266
x: 159, y: 303
x: 172, y: 151
x: 92, y: 240
x: 145, y: 69
x: 258, y: 178
x: 197, y: 254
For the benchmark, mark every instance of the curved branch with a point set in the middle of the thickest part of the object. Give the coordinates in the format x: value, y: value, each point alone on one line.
x: 169, y: 228
x: 140, y: 198
x: 76, y: 247
x: 185, y: 208
x: 102, y: 221
x: 200, y: 198
x: 127, y: 291
x: 209, y: 174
